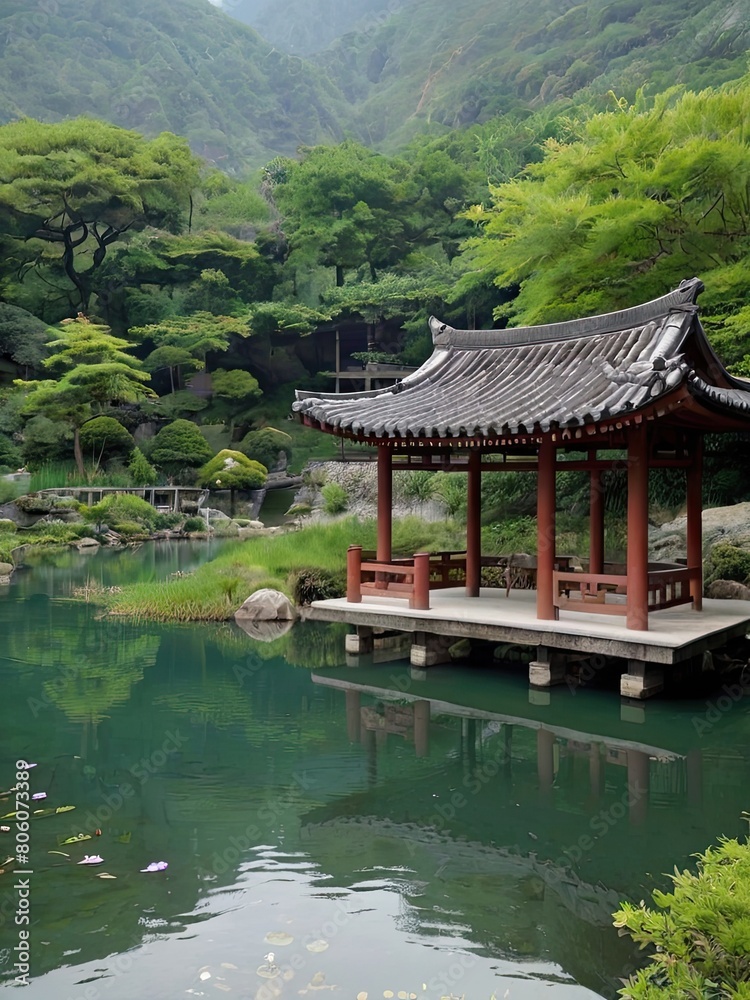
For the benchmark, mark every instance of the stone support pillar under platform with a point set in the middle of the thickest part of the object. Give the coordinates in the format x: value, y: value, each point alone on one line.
x: 429, y: 650
x: 359, y: 642
x: 547, y: 669
x: 642, y: 680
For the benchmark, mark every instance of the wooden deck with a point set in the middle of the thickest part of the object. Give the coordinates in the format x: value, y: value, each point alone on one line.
x: 674, y: 636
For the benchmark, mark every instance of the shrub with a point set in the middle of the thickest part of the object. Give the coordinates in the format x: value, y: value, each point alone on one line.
x: 727, y: 562
x: 141, y: 470
x: 701, y: 931
x: 265, y: 445
x: 179, y: 445
x: 194, y: 524
x: 105, y: 437
x: 163, y: 522
x: 231, y: 470
x: 8, y: 528
x: 225, y: 529
x: 335, y: 498
x: 122, y: 508
x: 313, y: 584
x: 129, y: 529
x: 46, y: 440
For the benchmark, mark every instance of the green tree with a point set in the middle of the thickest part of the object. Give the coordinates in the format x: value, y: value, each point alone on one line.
x: 636, y: 200
x: 23, y: 337
x: 197, y: 334
x: 71, y: 189
x: 265, y: 445
x: 141, y: 470
x: 97, y: 372
x: 179, y: 446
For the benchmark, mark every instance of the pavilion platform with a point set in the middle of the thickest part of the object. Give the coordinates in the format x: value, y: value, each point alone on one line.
x: 675, y: 635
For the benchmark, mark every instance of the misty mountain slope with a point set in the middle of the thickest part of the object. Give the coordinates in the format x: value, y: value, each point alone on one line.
x: 465, y: 61
x: 305, y: 27
x: 153, y: 65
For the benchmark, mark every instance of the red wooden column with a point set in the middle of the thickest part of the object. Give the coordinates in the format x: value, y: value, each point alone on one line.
x: 695, y: 524
x: 637, y: 609
x: 385, y: 503
x: 596, y: 522
x: 474, y: 525
x: 545, y: 529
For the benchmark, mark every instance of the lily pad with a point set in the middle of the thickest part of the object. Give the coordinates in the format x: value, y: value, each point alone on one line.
x: 105, y: 875
x: 268, y: 971
x: 362, y: 995
x: 317, y: 946
x: 278, y: 937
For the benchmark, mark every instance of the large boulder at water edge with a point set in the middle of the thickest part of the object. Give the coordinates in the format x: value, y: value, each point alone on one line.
x: 5, y: 572
x: 266, y: 605
x: 264, y: 631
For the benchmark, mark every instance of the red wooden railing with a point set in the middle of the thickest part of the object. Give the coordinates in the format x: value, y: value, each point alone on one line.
x: 668, y: 586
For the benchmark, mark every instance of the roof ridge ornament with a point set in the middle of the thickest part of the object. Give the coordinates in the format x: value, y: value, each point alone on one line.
x: 441, y: 332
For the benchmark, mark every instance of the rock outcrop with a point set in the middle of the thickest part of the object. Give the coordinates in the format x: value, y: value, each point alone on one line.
x: 266, y: 605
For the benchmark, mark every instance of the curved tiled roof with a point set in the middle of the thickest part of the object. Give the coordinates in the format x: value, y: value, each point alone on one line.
x: 490, y: 382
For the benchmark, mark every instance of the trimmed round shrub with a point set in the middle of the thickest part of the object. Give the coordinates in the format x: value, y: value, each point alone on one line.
x: 105, y: 437
x: 265, y: 445
x: 129, y: 529
x: 179, y: 445
x: 231, y: 470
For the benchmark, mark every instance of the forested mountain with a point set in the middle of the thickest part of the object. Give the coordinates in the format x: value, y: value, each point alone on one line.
x: 305, y: 27
x: 155, y: 65
x: 456, y: 63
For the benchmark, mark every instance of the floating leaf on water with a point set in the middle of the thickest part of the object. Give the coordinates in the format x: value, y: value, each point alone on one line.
x: 317, y: 946
x: 124, y: 838
x: 228, y: 965
x: 156, y: 866
x: 9, y: 816
x: 79, y: 838
x: 64, y: 809
x: 387, y: 994
x: 317, y: 982
x: 362, y: 995
x: 105, y: 875
x: 278, y: 937
x: 223, y: 987
x: 402, y: 995
x: 268, y: 971
x: 91, y: 859
x: 61, y: 853
x: 43, y: 812
x: 412, y: 996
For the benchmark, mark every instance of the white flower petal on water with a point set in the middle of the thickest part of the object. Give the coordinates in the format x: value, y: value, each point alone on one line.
x: 204, y: 975
x: 362, y: 995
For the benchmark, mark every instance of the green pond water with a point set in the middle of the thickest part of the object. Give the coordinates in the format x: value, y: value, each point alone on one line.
x: 454, y: 835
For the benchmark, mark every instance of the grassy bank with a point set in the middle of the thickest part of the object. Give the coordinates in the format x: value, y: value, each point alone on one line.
x: 215, y: 591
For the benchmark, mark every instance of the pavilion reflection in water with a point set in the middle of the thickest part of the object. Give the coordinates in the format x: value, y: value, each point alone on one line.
x: 579, y: 802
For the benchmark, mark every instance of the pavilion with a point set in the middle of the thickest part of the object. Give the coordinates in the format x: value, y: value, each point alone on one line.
x: 643, y: 381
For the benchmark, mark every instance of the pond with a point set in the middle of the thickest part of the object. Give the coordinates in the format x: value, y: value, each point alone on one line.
x: 372, y: 831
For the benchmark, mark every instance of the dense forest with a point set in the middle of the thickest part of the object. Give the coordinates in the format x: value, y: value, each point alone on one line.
x: 162, y: 294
